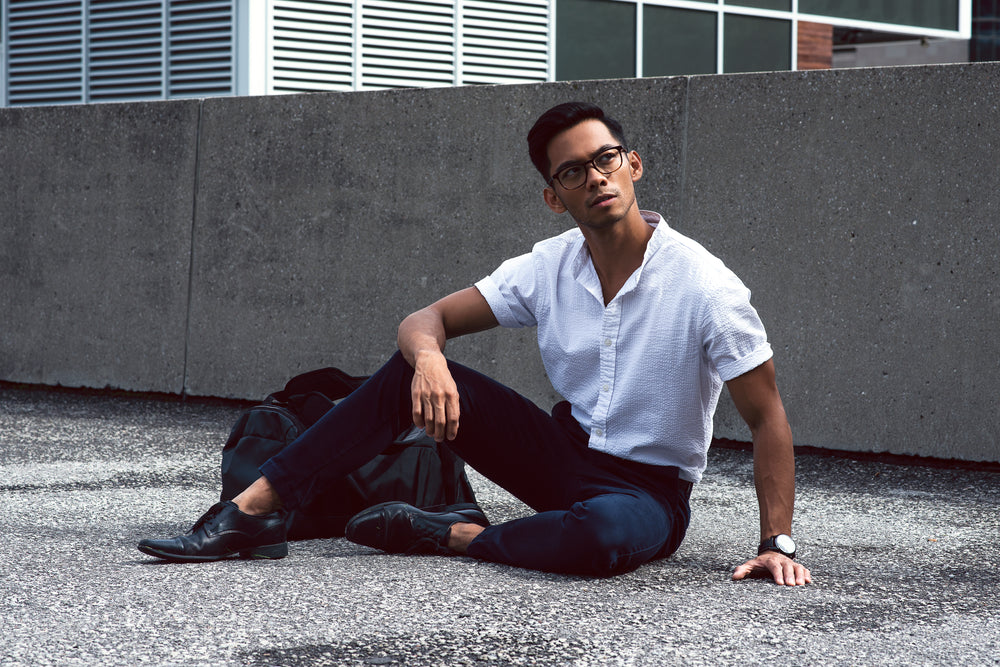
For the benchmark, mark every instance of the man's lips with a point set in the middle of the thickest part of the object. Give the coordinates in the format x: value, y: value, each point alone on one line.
x: 601, y: 199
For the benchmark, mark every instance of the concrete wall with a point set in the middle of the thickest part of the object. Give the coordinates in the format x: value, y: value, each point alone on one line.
x: 217, y: 247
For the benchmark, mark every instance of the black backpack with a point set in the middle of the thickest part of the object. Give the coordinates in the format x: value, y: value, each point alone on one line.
x: 414, y: 469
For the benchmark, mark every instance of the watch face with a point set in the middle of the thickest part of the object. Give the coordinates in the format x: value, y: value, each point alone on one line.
x: 785, y: 543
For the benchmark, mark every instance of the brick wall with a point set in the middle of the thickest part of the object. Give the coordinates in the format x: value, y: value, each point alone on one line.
x: 815, y: 45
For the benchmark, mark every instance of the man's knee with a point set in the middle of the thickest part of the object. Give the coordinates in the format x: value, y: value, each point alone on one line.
x: 613, y: 535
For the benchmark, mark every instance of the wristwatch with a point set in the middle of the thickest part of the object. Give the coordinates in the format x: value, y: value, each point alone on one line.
x: 783, y: 544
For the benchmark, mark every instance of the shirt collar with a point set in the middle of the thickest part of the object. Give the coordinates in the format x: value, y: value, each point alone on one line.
x: 583, y: 267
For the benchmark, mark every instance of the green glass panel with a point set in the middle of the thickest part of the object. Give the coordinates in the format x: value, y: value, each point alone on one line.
x: 781, y: 5
x: 677, y: 41
x: 940, y: 14
x: 595, y: 39
x: 754, y: 44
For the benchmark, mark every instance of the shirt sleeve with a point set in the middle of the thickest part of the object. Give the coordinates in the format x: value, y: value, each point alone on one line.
x: 512, y: 292
x: 735, y: 339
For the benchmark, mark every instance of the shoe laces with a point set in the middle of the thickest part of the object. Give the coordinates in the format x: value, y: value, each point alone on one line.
x: 206, y: 517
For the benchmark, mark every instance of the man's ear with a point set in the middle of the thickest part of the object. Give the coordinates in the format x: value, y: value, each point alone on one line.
x: 552, y: 200
x: 635, y: 165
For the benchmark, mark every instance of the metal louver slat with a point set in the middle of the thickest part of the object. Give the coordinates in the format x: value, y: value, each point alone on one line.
x: 418, y: 37
x: 45, y: 52
x: 312, y: 46
x: 133, y: 73
x: 200, y: 50
x: 63, y: 51
x: 506, y: 41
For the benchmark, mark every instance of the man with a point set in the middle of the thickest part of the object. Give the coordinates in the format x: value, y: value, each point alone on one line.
x: 638, y: 328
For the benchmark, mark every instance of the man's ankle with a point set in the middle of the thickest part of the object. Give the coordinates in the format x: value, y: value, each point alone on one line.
x: 258, y: 498
x: 460, y: 536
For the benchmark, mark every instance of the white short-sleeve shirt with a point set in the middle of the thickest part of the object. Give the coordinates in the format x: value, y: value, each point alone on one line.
x: 644, y: 373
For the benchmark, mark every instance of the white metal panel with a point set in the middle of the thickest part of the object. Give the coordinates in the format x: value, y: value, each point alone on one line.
x: 368, y: 44
x: 420, y: 38
x: 312, y: 45
x: 505, y: 41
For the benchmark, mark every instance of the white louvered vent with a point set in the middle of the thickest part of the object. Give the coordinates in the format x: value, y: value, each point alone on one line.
x: 200, y: 48
x: 407, y: 44
x: 312, y: 45
x: 126, y: 50
x: 505, y: 41
x: 45, y: 52
x: 71, y: 51
x: 322, y: 45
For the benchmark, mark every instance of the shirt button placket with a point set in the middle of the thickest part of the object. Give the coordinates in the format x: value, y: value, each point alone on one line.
x: 609, y: 331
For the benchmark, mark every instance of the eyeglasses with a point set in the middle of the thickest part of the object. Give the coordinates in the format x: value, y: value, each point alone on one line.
x: 575, y: 175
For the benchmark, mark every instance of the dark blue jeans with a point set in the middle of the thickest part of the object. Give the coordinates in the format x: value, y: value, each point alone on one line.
x: 597, y: 515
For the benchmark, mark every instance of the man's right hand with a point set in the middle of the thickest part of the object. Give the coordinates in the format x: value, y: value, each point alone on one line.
x: 435, y: 396
x: 421, y: 338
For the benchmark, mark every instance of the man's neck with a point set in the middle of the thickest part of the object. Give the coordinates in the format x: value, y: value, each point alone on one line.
x: 617, y: 251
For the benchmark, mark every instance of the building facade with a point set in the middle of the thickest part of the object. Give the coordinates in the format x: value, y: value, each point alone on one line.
x: 81, y: 51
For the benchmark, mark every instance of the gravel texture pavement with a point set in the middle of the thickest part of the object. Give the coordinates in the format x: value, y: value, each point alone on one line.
x: 905, y: 563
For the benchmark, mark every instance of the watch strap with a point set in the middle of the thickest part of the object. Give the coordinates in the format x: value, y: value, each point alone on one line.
x: 771, y: 544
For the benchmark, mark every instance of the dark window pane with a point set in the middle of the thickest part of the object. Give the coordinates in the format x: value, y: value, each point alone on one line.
x: 753, y: 44
x: 985, y: 43
x: 677, y: 41
x: 942, y: 14
x: 782, y: 5
x: 595, y: 39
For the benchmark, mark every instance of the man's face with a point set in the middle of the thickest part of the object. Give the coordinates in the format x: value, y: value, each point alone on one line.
x: 603, y: 199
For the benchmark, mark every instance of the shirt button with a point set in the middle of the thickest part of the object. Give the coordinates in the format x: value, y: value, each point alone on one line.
x: 598, y: 432
x: 607, y: 342
x: 606, y: 387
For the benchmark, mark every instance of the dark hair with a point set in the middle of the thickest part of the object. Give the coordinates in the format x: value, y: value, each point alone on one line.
x: 559, y: 118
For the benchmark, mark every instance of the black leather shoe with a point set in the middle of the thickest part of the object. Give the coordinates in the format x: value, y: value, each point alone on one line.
x: 400, y: 528
x: 225, y: 532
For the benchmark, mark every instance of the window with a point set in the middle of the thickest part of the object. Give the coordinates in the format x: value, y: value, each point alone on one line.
x: 780, y: 5
x: 678, y: 41
x: 595, y: 39
x: 754, y: 44
x: 938, y: 14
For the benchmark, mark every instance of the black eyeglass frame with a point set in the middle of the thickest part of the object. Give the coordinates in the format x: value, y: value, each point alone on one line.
x: 592, y: 162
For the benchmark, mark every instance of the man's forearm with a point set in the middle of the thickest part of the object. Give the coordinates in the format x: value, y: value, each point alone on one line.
x: 420, y: 331
x: 457, y: 314
x: 774, y: 477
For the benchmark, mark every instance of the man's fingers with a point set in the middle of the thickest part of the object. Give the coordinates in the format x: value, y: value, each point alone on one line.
x: 439, y: 420
x: 784, y: 571
x: 453, y: 414
x: 417, y: 412
x: 435, y: 397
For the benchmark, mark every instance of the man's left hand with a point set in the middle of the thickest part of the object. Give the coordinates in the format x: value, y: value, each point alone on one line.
x: 784, y: 570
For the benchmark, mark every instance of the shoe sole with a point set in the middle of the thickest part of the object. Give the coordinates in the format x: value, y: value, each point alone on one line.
x: 266, y: 552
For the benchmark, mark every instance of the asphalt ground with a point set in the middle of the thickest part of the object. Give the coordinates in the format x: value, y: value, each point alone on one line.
x: 905, y: 563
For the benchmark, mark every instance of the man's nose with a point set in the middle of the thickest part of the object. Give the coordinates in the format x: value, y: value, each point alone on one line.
x: 595, y: 176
